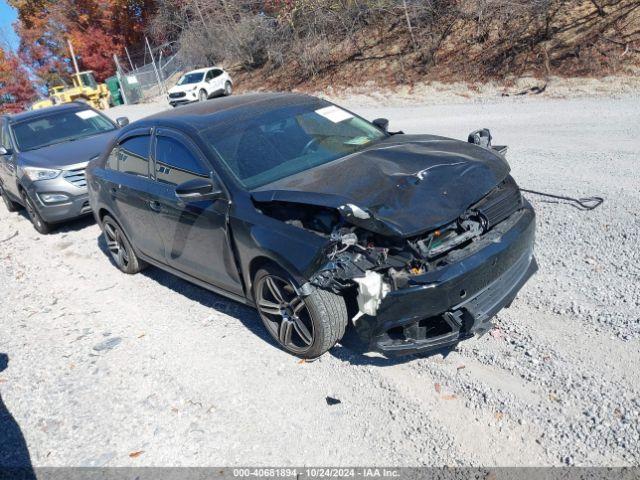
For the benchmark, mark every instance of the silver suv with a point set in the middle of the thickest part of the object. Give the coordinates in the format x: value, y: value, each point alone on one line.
x: 43, y: 156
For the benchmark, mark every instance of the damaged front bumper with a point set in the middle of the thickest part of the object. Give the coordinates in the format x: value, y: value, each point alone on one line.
x: 452, y: 303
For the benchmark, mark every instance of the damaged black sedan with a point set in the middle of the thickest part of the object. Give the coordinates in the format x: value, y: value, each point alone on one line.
x: 320, y: 219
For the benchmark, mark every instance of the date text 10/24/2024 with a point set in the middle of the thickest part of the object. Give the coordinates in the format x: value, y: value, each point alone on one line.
x: 319, y: 472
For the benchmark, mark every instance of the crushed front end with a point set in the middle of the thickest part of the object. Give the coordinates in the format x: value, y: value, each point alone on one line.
x: 437, y: 289
x: 422, y: 293
x: 457, y: 298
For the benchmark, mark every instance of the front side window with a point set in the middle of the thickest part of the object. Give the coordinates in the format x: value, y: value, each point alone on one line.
x: 132, y: 156
x: 191, y: 78
x: 175, y: 163
x: 58, y: 127
x: 281, y: 142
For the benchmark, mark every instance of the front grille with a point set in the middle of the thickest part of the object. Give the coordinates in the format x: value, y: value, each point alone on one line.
x: 76, y: 177
x: 500, y: 203
x: 177, y: 95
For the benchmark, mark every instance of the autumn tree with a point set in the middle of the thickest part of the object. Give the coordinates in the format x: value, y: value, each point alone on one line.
x: 97, y: 29
x: 16, y: 89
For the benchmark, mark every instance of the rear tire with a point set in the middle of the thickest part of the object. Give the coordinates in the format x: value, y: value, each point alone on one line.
x: 120, y: 248
x: 36, y: 219
x: 10, y: 204
x: 228, y: 89
x: 304, y: 326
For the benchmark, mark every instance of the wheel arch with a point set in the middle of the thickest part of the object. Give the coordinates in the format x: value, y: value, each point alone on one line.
x: 102, y: 211
x: 261, y: 261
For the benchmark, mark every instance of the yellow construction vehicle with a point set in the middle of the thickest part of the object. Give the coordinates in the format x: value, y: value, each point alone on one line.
x: 85, y: 88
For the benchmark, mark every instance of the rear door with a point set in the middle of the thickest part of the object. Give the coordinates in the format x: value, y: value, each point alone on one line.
x: 194, y: 233
x: 215, y: 80
x: 132, y: 190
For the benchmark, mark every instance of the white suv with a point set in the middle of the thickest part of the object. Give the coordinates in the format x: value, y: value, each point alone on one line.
x: 199, y: 85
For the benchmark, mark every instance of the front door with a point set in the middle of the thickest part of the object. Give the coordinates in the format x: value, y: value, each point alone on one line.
x: 194, y: 233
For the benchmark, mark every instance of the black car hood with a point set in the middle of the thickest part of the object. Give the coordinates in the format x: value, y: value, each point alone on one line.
x: 63, y: 154
x: 408, y: 184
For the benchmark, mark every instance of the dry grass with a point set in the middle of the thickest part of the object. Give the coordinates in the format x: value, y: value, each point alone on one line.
x: 346, y: 43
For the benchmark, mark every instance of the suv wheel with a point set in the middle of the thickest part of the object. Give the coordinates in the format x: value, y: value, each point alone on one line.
x: 304, y: 326
x: 202, y: 96
x: 228, y: 89
x: 120, y: 248
x: 10, y: 204
x: 38, y: 223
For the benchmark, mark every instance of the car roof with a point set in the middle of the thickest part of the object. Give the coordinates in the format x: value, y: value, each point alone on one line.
x: 198, y: 116
x: 201, y: 70
x: 43, y: 112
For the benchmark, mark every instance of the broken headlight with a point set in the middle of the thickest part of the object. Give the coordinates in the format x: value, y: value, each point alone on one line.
x: 451, y: 236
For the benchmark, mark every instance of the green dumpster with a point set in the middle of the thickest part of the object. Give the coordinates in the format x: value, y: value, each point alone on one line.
x: 114, y: 88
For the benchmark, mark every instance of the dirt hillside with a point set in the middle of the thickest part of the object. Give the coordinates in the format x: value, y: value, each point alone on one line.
x: 479, y: 41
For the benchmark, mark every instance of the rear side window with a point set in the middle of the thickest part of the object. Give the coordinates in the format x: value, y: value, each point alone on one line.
x: 131, y: 156
x: 175, y: 163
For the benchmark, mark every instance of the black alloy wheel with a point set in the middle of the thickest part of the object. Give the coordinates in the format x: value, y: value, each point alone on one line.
x: 306, y: 326
x: 119, y: 247
x: 288, y: 318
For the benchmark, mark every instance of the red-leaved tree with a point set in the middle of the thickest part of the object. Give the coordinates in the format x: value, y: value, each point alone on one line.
x: 97, y: 29
x: 16, y: 88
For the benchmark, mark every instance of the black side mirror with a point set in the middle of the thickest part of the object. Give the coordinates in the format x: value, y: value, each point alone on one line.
x: 480, y: 137
x: 122, y: 121
x: 199, y: 189
x: 381, y: 123
x: 5, y: 151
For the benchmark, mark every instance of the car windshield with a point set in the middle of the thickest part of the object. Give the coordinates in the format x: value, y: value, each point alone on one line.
x: 191, y: 78
x: 282, y: 142
x: 57, y: 127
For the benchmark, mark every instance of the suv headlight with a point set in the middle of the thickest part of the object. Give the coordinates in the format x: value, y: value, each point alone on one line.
x: 35, y: 174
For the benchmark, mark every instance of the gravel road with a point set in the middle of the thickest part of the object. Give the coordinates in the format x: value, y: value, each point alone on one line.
x: 107, y: 369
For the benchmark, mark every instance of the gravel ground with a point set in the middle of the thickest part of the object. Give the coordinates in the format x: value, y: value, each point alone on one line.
x: 115, y: 370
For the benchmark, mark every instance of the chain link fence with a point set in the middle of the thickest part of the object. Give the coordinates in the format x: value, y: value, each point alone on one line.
x: 150, y: 80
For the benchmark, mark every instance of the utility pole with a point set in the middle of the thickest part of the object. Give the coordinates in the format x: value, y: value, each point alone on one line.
x: 409, y: 26
x: 155, y: 69
x: 73, y: 56
x: 129, y: 57
x: 120, y: 79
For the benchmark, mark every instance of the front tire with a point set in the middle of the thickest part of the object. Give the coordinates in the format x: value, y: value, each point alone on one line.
x: 10, y: 204
x: 202, y: 95
x: 120, y: 248
x: 36, y: 219
x: 304, y: 326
